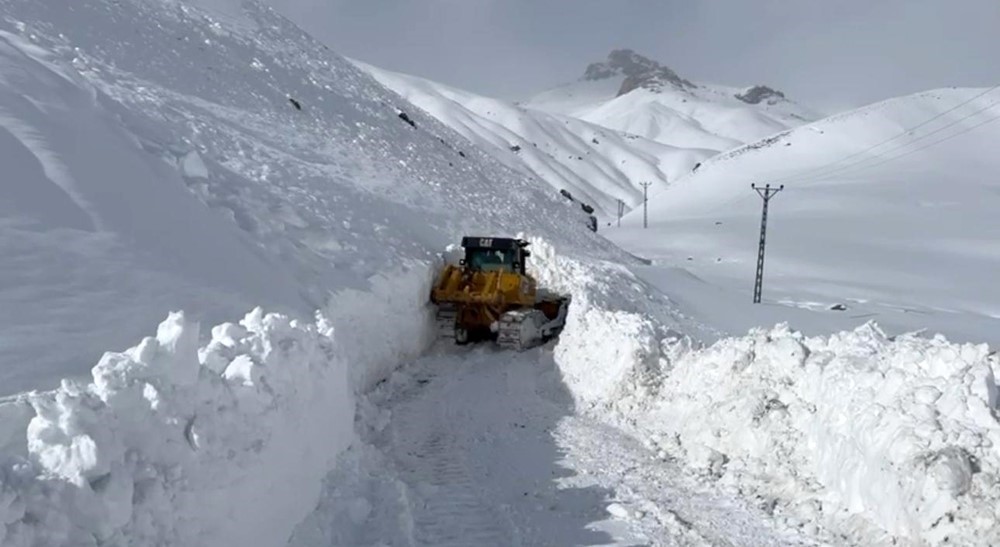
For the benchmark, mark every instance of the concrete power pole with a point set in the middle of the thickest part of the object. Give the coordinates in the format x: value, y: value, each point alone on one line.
x: 645, y: 202
x: 621, y: 212
x: 766, y: 193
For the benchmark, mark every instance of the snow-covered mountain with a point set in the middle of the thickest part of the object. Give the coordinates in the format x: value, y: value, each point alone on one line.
x: 628, y: 120
x: 631, y: 93
x: 595, y: 164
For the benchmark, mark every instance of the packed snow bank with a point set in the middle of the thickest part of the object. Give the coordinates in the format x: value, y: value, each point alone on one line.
x: 388, y: 324
x: 172, y: 444
x: 856, y: 428
x: 224, y: 444
x: 902, y: 430
x: 611, y: 351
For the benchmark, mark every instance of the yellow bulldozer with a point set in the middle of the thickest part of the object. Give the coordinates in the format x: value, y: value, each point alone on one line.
x: 490, y: 296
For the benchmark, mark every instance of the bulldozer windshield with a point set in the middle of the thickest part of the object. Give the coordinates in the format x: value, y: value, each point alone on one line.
x: 489, y: 260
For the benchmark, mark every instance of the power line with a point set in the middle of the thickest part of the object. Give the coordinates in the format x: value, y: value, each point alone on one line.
x: 859, y: 164
x: 811, y: 172
x: 928, y: 145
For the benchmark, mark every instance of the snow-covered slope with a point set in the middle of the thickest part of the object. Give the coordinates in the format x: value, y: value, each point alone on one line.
x: 901, y: 229
x: 634, y: 94
x: 176, y: 173
x: 597, y: 165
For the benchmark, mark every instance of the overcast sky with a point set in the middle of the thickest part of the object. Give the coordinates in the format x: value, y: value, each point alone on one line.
x: 830, y: 54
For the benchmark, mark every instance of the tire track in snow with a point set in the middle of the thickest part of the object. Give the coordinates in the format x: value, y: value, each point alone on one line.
x: 663, y: 498
x: 447, y: 507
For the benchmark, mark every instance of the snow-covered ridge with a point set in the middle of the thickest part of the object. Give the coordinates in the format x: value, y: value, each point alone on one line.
x: 595, y: 164
x: 632, y: 93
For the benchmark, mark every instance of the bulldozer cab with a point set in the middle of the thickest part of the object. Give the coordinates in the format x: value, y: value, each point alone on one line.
x: 490, y: 254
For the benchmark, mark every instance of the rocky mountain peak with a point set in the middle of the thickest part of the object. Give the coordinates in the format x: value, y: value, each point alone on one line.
x: 639, y: 72
x: 761, y: 93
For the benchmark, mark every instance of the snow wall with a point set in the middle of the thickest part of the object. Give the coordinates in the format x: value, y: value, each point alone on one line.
x: 882, y: 437
x: 226, y: 443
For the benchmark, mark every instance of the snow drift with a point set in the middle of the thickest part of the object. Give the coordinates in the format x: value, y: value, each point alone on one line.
x: 172, y: 444
x: 901, y: 430
x: 224, y: 443
x: 876, y: 437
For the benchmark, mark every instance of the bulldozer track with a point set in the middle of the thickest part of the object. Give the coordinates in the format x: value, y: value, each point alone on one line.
x: 448, y: 507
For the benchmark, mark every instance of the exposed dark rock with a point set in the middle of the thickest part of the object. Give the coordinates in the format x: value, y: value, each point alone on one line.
x: 639, y: 72
x: 406, y: 118
x: 760, y: 93
x: 296, y: 104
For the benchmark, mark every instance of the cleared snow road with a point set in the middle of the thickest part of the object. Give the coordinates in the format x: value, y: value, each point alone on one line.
x: 481, y: 447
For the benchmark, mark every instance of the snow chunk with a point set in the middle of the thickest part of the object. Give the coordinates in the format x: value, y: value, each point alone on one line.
x: 243, y: 371
x: 618, y: 511
x: 193, y: 166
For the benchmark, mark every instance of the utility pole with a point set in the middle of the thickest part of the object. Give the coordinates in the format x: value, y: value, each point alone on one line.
x: 766, y: 193
x: 645, y: 201
x: 621, y: 212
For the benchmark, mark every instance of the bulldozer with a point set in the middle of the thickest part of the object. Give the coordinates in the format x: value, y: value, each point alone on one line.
x: 490, y: 296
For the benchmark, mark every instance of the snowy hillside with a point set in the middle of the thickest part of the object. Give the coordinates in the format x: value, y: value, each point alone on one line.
x: 177, y: 173
x: 634, y: 94
x: 897, y: 224
x: 597, y: 165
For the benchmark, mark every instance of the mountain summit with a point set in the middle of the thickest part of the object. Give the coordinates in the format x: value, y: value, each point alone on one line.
x: 639, y: 71
x: 634, y: 94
